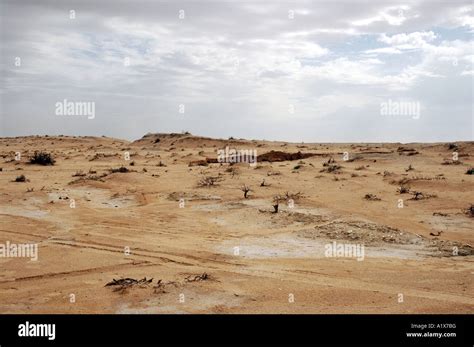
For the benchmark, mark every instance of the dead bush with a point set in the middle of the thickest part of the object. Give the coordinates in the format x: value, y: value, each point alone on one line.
x: 371, y: 197
x: 123, y: 284
x: 246, y: 190
x: 404, y: 190
x: 277, y: 199
x: 42, y: 158
x: 79, y: 173
x: 209, y: 181
x: 451, y: 162
x: 421, y: 196
x: 329, y: 162
x: 470, y: 211
x: 20, y: 178
x: 197, y: 278
x: 452, y: 146
x: 121, y: 169
x: 332, y: 168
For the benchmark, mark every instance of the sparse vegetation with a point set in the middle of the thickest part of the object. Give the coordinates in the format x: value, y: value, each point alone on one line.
x: 451, y: 162
x: 371, y: 197
x: 277, y: 199
x: 79, y: 173
x: 21, y: 178
x: 331, y: 168
x: 246, y: 190
x: 470, y: 211
x: 123, y: 284
x: 403, y: 189
x: 121, y: 169
x: 329, y: 162
x: 452, y: 146
x: 91, y: 177
x: 42, y: 158
x: 421, y: 196
x: 197, y: 278
x: 209, y: 181
x: 470, y: 171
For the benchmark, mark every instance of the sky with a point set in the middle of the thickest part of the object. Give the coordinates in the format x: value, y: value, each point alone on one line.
x: 301, y: 71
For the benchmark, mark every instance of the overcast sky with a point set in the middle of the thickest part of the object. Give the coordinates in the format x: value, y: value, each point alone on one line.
x: 277, y: 70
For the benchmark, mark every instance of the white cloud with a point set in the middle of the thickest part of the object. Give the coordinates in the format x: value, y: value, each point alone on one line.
x: 241, y: 62
x: 383, y: 50
x: 408, y: 41
x: 394, y: 15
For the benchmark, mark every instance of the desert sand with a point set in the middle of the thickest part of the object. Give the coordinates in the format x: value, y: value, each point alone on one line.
x: 97, y: 216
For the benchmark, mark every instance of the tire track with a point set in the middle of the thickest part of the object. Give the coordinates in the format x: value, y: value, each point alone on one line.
x: 79, y: 245
x: 78, y: 272
x: 22, y: 233
x: 155, y: 254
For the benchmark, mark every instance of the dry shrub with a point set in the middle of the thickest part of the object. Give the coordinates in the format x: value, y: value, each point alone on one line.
x: 42, y: 158
x: 209, y: 181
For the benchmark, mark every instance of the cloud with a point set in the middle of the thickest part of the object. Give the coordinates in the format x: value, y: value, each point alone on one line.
x: 382, y: 50
x: 393, y: 15
x: 408, y: 41
x: 236, y: 66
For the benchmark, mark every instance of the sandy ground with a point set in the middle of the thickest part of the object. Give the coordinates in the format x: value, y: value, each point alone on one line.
x: 418, y: 259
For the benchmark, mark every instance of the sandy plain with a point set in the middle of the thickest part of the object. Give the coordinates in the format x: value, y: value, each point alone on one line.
x: 210, y: 250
